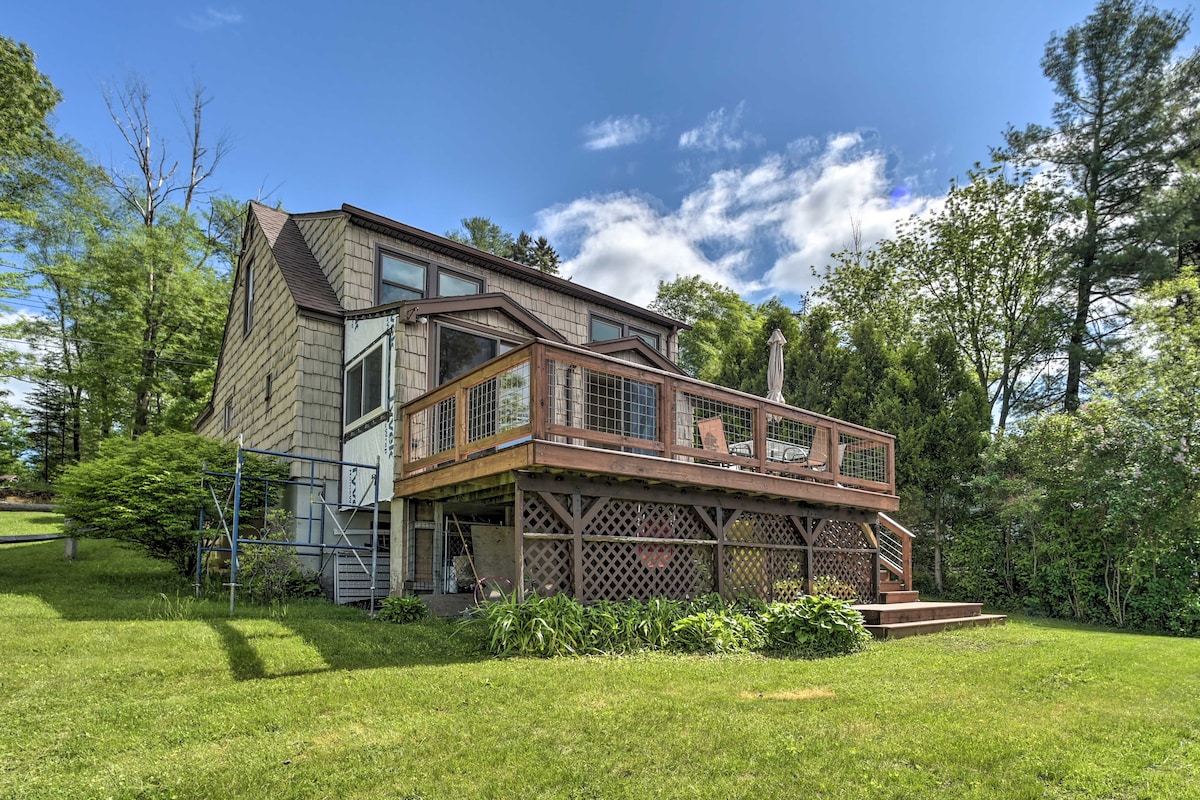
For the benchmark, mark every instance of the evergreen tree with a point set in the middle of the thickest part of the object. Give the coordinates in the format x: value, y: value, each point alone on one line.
x: 1125, y: 116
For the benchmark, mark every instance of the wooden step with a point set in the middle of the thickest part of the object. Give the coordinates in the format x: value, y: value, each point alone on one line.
x: 898, y: 596
x: 890, y: 586
x: 889, y: 613
x: 900, y: 630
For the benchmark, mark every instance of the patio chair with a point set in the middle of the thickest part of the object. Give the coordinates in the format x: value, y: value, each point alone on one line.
x: 712, y: 437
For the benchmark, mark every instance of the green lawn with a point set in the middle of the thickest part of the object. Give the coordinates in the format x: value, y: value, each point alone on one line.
x: 24, y: 523
x: 112, y: 684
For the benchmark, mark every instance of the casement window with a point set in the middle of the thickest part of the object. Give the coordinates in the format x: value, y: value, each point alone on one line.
x: 229, y: 415
x: 364, y: 386
x: 248, y: 300
x: 460, y: 351
x: 402, y: 278
x: 603, y: 329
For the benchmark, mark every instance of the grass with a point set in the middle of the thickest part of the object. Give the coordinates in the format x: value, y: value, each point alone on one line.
x: 23, y: 523
x: 114, y: 684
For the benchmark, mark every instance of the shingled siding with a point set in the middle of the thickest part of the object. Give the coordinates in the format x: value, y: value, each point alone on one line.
x: 318, y: 421
x: 269, y: 348
x: 566, y: 314
x: 326, y: 238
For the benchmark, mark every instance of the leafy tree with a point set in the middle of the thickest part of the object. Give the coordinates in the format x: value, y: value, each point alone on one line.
x: 14, y: 437
x: 939, y: 415
x: 1125, y: 115
x: 987, y: 265
x: 719, y: 317
x: 1093, y: 515
x: 28, y: 99
x: 167, y: 257
x: 148, y: 492
x: 872, y: 283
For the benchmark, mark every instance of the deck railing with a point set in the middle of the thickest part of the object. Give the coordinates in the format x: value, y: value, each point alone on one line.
x: 550, y: 392
x: 895, y: 549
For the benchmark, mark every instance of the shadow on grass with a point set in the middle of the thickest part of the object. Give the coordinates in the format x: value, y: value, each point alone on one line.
x: 112, y: 583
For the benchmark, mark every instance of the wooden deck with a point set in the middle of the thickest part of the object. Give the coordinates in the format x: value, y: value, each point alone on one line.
x: 547, y: 407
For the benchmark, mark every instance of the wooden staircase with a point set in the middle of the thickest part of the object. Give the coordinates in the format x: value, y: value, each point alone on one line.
x: 900, y: 612
x: 898, y: 618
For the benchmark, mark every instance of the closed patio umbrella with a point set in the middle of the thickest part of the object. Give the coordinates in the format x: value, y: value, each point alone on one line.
x: 775, y: 367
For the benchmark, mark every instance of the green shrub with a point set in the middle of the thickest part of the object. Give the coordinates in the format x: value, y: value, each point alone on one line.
x: 148, y: 492
x: 269, y: 572
x: 402, y: 610
x: 815, y: 626
x: 558, y: 625
x: 717, y: 632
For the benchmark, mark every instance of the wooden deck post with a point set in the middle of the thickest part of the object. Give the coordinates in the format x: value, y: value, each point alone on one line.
x: 577, y: 543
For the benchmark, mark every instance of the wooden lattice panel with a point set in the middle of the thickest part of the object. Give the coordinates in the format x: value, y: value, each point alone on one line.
x: 844, y: 535
x: 539, y: 517
x: 623, y: 570
x: 850, y: 569
x: 654, y: 520
x: 756, y: 528
x: 761, y: 572
x: 548, y: 566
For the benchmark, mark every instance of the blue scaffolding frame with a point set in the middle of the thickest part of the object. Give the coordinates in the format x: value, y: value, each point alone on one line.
x: 229, y: 527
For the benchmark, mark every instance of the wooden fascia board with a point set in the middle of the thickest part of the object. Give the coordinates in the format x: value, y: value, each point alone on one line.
x: 410, y: 310
x: 623, y: 345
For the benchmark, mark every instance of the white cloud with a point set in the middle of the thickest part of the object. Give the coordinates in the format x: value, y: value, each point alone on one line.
x: 758, y: 229
x: 718, y: 132
x: 616, y: 132
x: 210, y: 19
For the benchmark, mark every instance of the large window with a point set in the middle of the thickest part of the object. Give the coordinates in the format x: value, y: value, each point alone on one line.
x: 603, y: 329
x: 460, y: 351
x: 407, y: 279
x: 364, y: 386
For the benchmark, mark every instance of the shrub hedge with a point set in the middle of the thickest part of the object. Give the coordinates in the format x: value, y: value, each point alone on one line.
x: 812, y: 627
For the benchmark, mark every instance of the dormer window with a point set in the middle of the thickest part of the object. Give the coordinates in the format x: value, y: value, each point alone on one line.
x: 603, y: 329
x: 402, y: 278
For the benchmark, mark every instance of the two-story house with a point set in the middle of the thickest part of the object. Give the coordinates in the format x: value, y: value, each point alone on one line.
x: 528, y: 427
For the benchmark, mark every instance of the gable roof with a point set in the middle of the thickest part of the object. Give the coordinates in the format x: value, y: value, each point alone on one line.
x: 411, y: 310
x: 610, y: 347
x: 431, y: 241
x: 304, y: 278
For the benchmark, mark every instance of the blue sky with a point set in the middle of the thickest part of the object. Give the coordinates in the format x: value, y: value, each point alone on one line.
x: 736, y: 140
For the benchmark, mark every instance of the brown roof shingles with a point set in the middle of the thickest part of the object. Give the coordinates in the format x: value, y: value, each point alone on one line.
x: 305, y: 280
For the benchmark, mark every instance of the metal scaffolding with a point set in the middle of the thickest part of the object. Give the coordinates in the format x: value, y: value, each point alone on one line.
x: 229, y: 518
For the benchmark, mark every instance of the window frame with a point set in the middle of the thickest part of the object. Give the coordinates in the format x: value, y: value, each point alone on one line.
x: 248, y: 299
x: 435, y: 351
x: 359, y: 364
x: 626, y: 330
x: 432, y: 284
